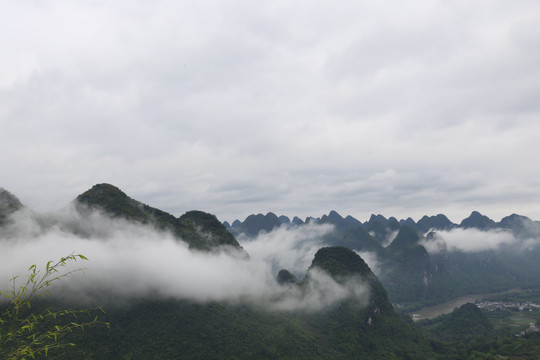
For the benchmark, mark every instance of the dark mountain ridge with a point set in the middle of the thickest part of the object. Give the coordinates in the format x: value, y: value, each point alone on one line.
x: 437, y: 222
x: 199, y: 229
x: 9, y: 203
x: 413, y: 276
x: 477, y: 221
x: 379, y: 223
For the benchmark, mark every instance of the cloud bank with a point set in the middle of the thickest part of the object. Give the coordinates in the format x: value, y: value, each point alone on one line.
x: 129, y: 260
x: 468, y: 240
x: 291, y: 248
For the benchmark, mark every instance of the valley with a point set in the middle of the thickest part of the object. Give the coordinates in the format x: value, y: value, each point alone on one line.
x: 447, y: 307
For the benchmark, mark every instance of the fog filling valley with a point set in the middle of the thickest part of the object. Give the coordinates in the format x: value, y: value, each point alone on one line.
x: 475, y: 240
x: 129, y: 260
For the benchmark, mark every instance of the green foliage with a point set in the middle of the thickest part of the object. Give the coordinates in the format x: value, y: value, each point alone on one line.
x: 339, y: 261
x: 506, y: 348
x: 471, y: 334
x: 463, y: 324
x: 26, y: 334
x: 207, y: 227
x: 200, y: 230
x: 174, y: 329
x: 160, y: 329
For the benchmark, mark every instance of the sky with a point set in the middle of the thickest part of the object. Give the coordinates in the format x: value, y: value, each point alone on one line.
x: 299, y: 108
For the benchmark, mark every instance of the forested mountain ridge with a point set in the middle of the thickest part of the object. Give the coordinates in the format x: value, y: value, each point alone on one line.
x: 255, y: 223
x: 352, y: 328
x: 199, y: 229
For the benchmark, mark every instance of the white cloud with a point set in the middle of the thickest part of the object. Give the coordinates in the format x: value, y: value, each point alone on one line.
x: 287, y: 248
x: 372, y: 261
x: 322, y: 292
x: 293, y: 247
x: 469, y: 240
x: 129, y: 260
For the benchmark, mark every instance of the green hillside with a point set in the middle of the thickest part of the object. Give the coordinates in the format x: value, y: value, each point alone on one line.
x: 200, y: 230
x: 174, y: 329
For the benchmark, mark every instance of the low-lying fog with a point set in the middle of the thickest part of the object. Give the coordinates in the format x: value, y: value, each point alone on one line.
x: 131, y: 260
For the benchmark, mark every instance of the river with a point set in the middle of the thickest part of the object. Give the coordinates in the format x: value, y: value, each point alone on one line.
x: 447, y: 307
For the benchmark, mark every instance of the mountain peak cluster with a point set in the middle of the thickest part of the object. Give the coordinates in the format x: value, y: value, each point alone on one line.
x: 428, y: 261
x: 417, y: 264
x: 255, y: 223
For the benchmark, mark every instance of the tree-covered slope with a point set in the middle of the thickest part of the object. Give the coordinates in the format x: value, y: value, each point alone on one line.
x: 462, y: 325
x: 199, y: 229
x: 352, y: 328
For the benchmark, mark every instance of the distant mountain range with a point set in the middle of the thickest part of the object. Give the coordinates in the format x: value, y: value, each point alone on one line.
x: 414, y: 276
x: 379, y: 225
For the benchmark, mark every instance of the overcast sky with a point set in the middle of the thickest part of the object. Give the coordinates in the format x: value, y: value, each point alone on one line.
x: 239, y: 107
